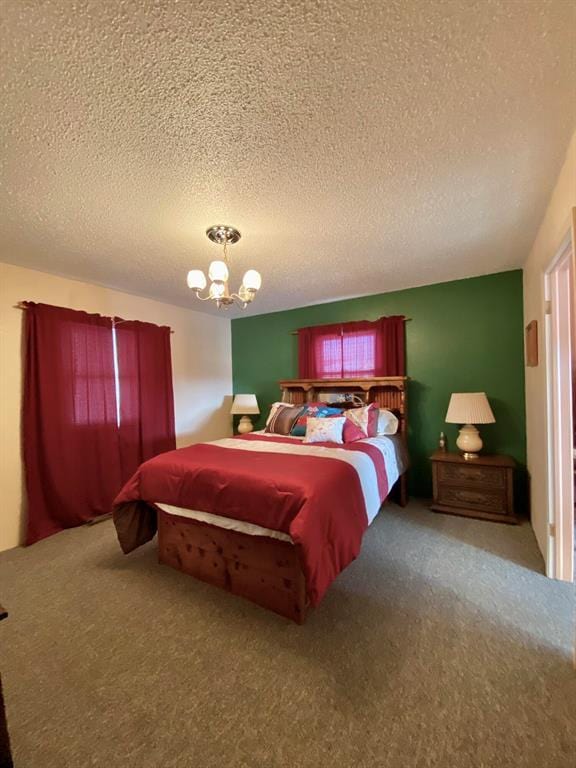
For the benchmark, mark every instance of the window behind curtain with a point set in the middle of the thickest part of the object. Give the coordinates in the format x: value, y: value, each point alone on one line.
x: 359, y: 354
x: 361, y: 349
x: 349, y: 355
x: 88, y: 351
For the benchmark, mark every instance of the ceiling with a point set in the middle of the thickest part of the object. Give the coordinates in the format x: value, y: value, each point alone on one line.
x: 360, y: 147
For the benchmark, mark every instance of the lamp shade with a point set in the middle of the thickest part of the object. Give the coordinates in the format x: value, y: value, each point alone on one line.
x: 469, y: 408
x: 245, y: 404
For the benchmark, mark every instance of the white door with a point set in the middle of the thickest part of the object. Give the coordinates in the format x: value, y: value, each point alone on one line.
x: 559, y: 295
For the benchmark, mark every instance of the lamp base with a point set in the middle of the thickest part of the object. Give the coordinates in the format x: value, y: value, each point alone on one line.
x: 469, y: 442
x: 245, y: 425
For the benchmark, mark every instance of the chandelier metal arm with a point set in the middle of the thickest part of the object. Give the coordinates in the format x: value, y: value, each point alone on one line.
x: 242, y: 303
x: 202, y: 298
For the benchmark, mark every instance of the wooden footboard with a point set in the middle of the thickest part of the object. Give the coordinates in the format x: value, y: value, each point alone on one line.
x: 265, y: 571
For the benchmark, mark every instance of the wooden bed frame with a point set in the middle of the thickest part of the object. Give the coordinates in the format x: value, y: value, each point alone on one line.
x: 263, y: 570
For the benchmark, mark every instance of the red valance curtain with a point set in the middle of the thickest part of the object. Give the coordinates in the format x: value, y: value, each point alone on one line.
x: 360, y: 349
x: 70, y: 434
x: 85, y: 428
x: 146, y: 393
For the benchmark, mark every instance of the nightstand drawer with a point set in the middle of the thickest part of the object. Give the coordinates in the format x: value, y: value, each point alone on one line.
x: 482, y: 499
x: 470, y: 475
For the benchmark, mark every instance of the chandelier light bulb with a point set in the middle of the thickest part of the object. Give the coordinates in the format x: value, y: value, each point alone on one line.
x: 216, y: 290
x: 252, y: 280
x: 244, y: 294
x: 218, y: 271
x: 196, y: 280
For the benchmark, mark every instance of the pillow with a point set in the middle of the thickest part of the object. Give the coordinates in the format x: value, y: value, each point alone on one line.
x: 387, y: 422
x: 352, y: 432
x: 364, y: 419
x: 315, y: 410
x: 283, y: 420
x: 274, y: 407
x: 373, y: 420
x: 324, y: 430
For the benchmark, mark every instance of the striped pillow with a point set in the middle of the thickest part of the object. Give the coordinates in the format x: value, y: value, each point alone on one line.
x: 274, y: 407
x: 283, y: 420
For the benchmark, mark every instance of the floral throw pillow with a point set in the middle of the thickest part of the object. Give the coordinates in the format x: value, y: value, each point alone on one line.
x: 325, y: 430
x: 313, y: 410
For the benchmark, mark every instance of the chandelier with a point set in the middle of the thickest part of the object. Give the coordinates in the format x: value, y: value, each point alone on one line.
x: 218, y: 274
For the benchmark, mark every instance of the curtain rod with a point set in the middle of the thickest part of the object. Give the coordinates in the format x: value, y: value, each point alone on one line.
x: 24, y: 305
x: 295, y: 333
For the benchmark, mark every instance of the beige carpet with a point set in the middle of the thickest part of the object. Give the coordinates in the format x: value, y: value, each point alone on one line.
x: 442, y: 645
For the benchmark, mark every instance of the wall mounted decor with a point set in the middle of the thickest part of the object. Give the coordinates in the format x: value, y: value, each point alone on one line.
x: 532, y: 344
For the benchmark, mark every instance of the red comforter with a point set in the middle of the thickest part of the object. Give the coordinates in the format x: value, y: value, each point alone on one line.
x: 318, y: 500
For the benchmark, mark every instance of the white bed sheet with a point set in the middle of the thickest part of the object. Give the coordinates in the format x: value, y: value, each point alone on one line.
x: 225, y: 522
x: 393, y: 461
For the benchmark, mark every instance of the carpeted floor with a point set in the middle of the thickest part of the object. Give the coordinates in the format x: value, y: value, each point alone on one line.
x: 442, y: 645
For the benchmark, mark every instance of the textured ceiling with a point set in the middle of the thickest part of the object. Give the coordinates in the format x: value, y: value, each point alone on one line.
x: 359, y: 146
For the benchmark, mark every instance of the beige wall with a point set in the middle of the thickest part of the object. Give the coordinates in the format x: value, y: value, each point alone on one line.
x: 201, y: 362
x: 555, y: 225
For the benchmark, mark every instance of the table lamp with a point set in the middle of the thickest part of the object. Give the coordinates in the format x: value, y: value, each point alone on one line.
x: 244, y: 405
x: 469, y: 408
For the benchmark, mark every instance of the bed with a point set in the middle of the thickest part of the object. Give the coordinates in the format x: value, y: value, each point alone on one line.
x: 267, y: 517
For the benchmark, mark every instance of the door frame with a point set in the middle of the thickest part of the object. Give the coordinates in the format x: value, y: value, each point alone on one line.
x: 560, y: 342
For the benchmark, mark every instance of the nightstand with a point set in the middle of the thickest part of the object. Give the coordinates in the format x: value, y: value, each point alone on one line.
x: 481, y: 487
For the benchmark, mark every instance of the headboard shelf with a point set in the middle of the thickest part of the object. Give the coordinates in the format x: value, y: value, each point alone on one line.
x: 388, y: 392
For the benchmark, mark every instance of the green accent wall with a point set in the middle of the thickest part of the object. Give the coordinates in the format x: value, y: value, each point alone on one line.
x: 464, y: 336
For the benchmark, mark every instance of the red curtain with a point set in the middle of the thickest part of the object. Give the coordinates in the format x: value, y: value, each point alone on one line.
x: 359, y: 349
x: 70, y: 434
x: 391, y: 346
x: 77, y: 453
x: 306, y: 360
x: 146, y: 393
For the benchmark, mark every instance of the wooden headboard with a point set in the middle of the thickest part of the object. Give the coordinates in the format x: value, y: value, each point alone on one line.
x: 388, y: 392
